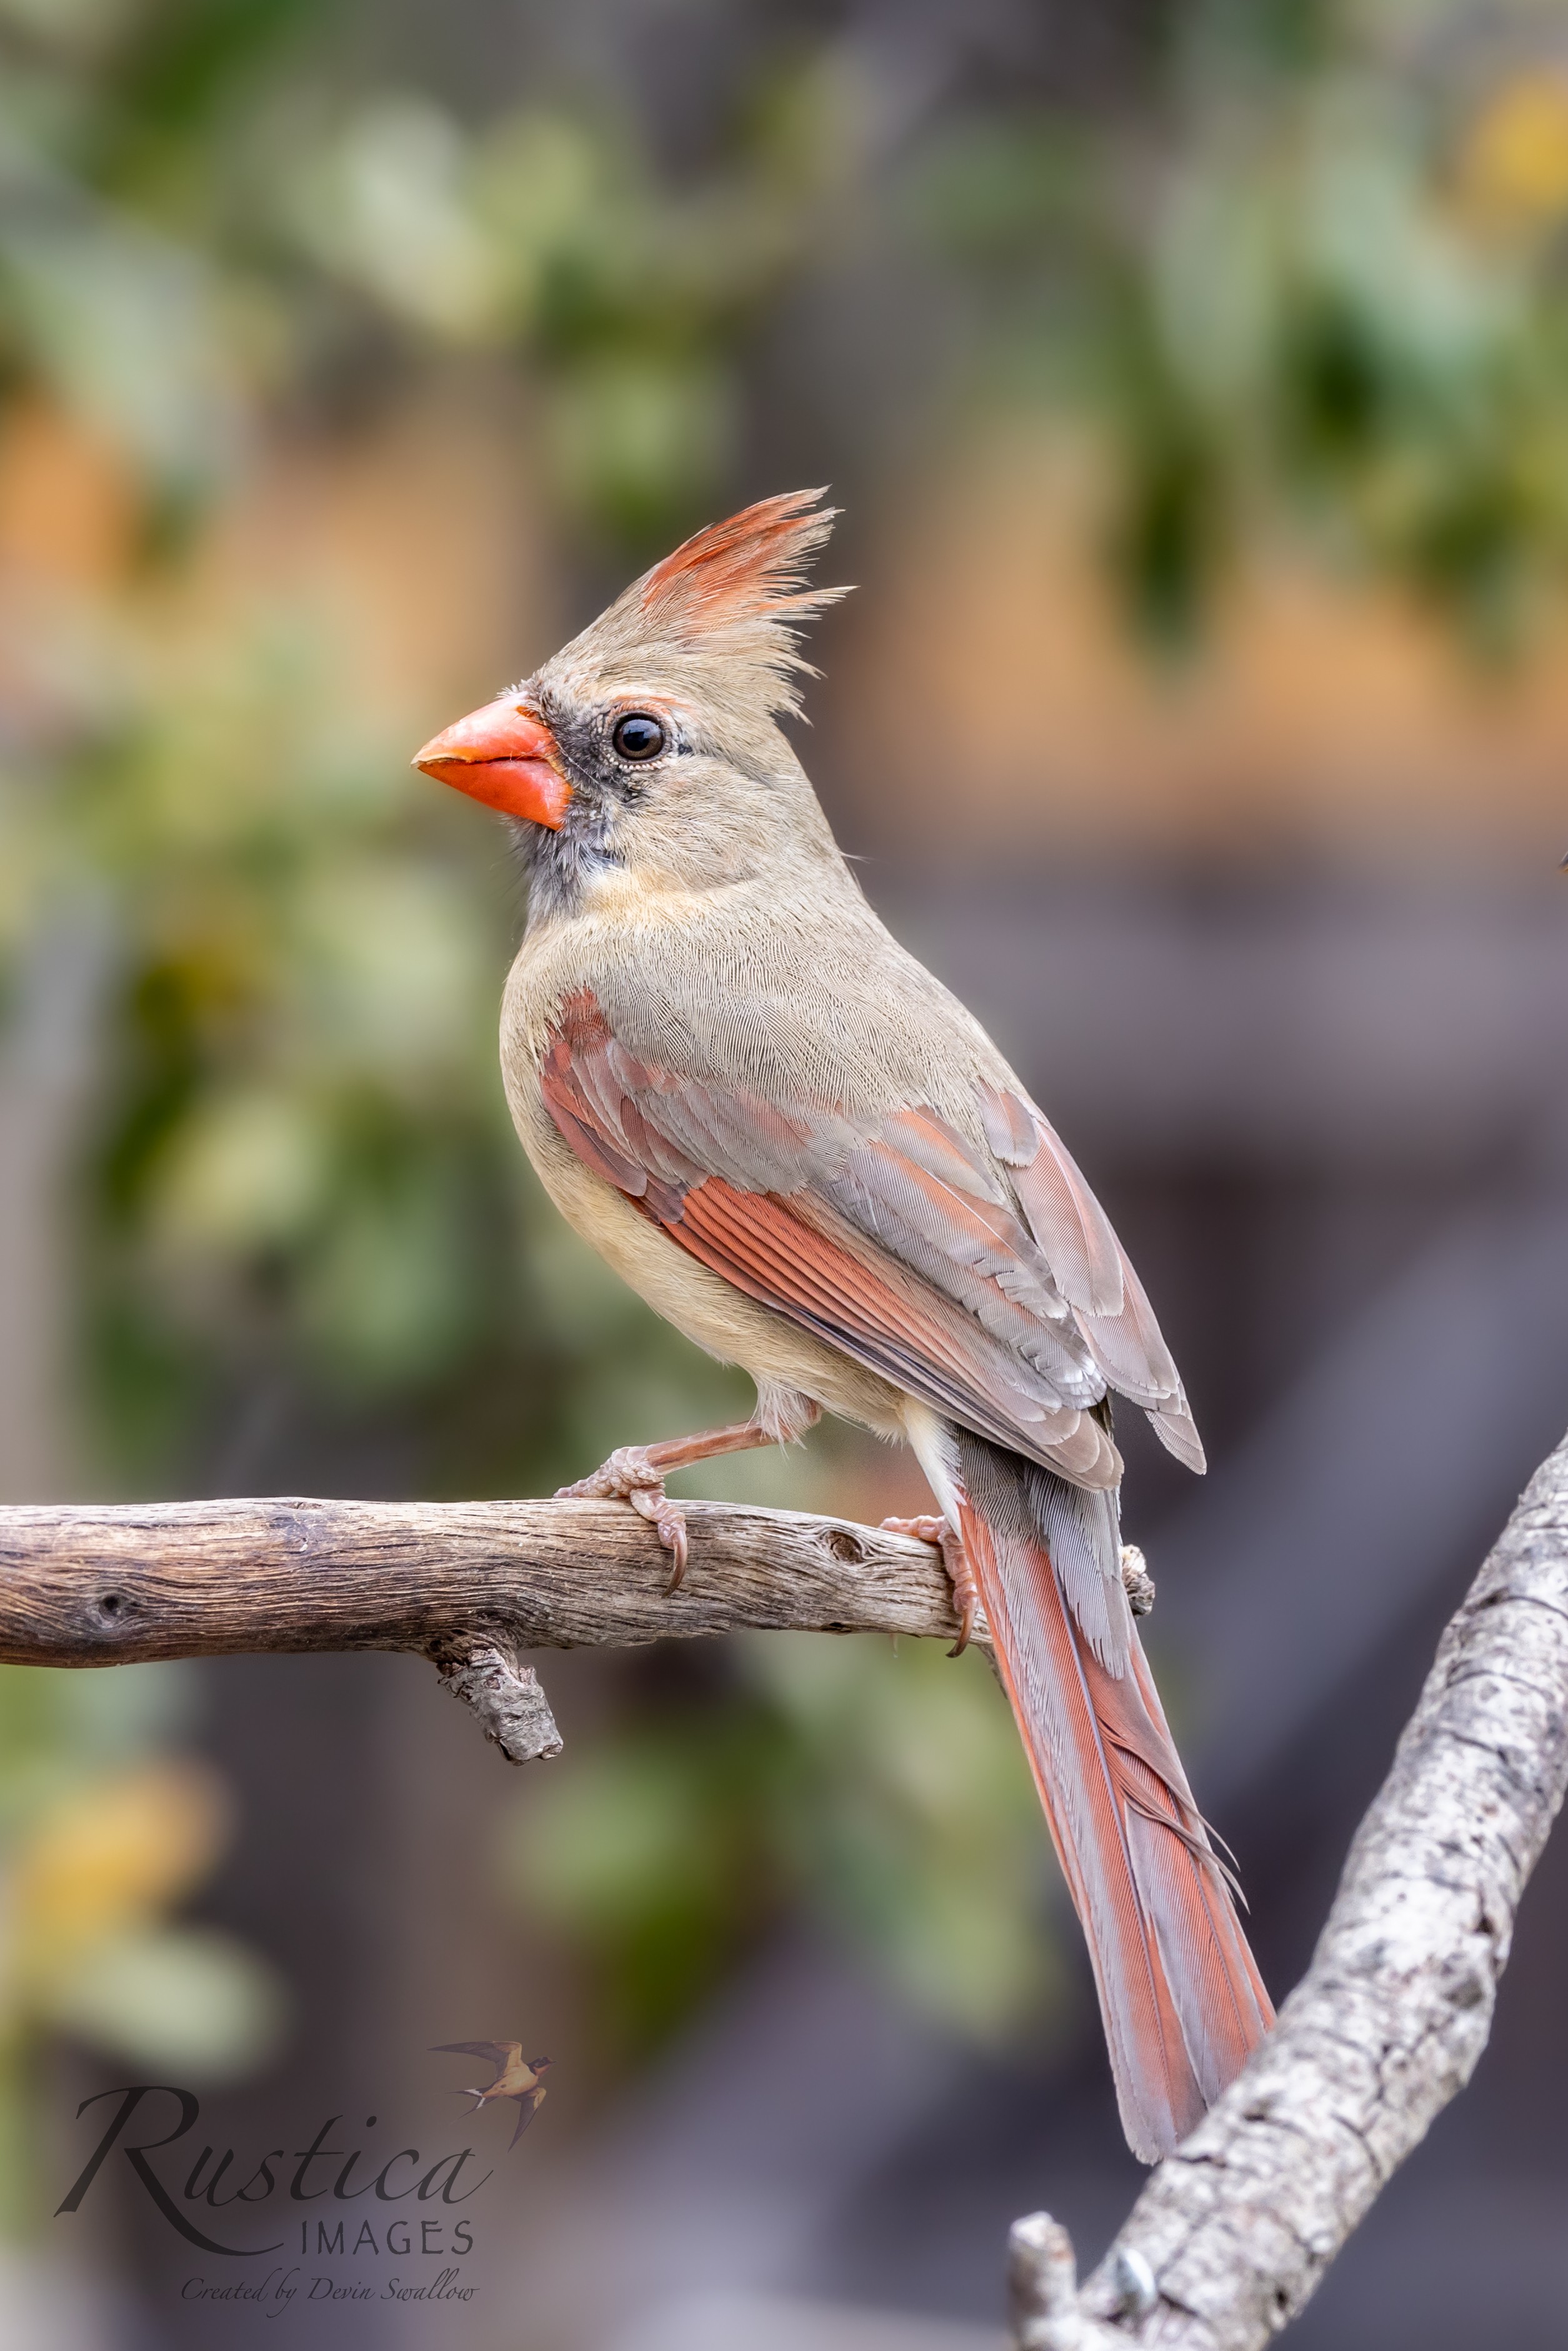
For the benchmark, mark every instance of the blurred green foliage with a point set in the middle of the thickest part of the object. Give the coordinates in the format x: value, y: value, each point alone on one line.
x: 298, y: 1167
x: 1307, y: 278
x: 1319, y: 292
x: 298, y: 1182
x: 199, y: 209
x: 883, y: 1790
x: 101, y: 1832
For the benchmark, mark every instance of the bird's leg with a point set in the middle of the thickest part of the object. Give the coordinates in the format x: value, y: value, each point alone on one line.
x: 636, y: 1473
x: 955, y: 1559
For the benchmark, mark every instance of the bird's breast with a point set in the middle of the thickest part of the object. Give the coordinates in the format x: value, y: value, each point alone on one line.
x: 721, y: 1319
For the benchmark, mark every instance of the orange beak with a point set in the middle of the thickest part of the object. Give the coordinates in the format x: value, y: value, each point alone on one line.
x: 507, y: 758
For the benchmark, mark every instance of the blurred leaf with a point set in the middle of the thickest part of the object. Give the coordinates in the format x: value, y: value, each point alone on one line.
x: 922, y: 1835
x: 189, y: 55
x: 248, y: 1172
x: 646, y: 1856
x: 181, y: 2000
x: 122, y: 328
x: 634, y: 437
x: 109, y: 1852
x: 387, y: 205
x: 886, y: 1791
x: 1514, y: 166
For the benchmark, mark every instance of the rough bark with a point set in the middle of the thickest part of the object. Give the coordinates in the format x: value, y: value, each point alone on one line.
x: 466, y: 1584
x: 1234, y: 2231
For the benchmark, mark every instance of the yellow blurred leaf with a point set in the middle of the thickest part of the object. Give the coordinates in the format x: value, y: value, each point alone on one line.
x: 1515, y: 163
x: 115, y: 1851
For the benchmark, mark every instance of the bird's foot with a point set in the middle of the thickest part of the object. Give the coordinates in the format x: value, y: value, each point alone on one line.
x: 932, y: 1529
x: 628, y: 1476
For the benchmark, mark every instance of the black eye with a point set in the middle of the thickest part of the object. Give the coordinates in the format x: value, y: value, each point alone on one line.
x: 638, y: 736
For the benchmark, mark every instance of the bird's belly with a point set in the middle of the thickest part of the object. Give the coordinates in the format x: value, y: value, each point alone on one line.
x: 701, y: 1304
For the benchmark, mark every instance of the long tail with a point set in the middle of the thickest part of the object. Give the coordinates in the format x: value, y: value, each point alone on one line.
x: 1180, y: 1994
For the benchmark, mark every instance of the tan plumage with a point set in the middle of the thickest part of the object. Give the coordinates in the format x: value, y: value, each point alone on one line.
x: 805, y: 1154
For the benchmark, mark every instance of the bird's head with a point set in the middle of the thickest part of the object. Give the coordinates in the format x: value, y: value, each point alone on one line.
x: 648, y: 749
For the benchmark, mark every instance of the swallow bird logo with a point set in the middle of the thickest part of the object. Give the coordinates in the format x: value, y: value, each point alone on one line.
x: 516, y: 2076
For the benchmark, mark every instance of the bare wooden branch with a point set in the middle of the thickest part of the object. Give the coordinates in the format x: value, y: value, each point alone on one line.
x: 86, y: 1587
x: 466, y: 1584
x: 1234, y: 2231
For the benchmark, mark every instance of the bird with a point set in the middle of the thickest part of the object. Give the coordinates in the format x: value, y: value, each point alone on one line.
x: 808, y: 1156
x: 516, y: 2076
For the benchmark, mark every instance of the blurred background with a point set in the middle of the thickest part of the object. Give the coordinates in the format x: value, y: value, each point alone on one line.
x: 1194, y: 374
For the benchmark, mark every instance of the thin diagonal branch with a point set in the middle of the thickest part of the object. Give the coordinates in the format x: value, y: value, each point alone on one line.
x: 1234, y: 2231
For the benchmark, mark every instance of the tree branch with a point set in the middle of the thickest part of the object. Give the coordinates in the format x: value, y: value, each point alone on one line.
x: 1233, y: 2232
x: 466, y: 1584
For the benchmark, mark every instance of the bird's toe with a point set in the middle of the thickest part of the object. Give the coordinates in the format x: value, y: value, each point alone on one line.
x: 932, y: 1529
x: 670, y: 1522
x: 628, y: 1476
x: 615, y: 1481
x: 929, y: 1529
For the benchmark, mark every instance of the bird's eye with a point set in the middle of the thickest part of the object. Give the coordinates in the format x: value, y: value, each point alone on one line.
x: 638, y: 736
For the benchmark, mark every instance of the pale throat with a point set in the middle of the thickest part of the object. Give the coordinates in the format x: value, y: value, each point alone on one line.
x: 618, y: 894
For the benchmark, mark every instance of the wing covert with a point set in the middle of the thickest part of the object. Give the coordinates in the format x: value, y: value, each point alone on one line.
x: 899, y: 1242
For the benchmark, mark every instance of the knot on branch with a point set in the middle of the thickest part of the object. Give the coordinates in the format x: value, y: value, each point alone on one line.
x: 1044, y: 2303
x: 1042, y: 2287
x: 507, y: 1697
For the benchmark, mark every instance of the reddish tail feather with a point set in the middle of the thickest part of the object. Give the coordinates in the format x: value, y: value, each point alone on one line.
x: 1180, y: 1994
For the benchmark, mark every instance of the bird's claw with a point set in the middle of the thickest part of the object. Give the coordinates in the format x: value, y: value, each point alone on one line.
x: 932, y: 1529
x: 669, y: 1521
x: 628, y: 1476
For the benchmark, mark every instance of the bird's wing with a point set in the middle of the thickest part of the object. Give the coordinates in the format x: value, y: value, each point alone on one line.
x: 922, y: 1255
x: 1090, y: 1267
x: 494, y: 2052
x: 529, y: 2106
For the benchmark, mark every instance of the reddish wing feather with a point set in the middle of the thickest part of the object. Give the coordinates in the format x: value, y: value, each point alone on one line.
x: 1067, y: 1220
x: 919, y: 1212
x: 800, y: 1256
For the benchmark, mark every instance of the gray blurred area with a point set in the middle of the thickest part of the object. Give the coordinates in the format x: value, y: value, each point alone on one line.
x: 1273, y: 927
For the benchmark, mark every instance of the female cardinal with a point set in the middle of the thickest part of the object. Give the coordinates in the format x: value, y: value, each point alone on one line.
x: 807, y: 1156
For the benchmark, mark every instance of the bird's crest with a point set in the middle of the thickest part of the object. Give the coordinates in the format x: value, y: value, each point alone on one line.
x: 749, y: 569
x: 733, y: 595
